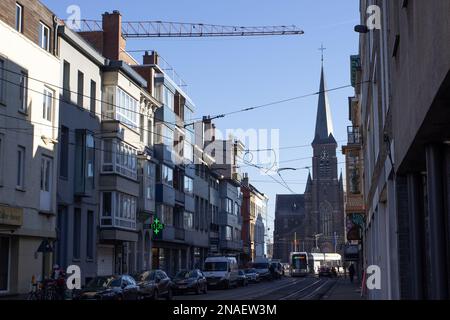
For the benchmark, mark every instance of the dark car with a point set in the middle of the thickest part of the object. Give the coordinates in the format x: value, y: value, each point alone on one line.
x: 278, y: 269
x: 190, y: 281
x: 154, y: 284
x: 325, y: 271
x: 110, y: 288
x: 242, y: 278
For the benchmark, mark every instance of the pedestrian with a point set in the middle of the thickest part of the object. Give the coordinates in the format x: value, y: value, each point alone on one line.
x: 345, y: 271
x: 351, y: 272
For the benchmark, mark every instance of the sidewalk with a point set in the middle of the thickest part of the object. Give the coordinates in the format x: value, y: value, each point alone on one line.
x: 344, y: 290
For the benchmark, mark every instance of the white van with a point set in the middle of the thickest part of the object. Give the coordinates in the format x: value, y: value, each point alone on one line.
x: 221, y: 271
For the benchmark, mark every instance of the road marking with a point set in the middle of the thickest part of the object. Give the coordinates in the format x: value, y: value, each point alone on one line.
x: 298, y: 291
x: 309, y: 295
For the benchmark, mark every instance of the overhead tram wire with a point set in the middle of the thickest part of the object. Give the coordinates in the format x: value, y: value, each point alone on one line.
x: 194, y: 120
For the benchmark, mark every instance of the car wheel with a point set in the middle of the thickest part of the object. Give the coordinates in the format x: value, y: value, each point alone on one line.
x: 169, y: 295
x: 155, y: 294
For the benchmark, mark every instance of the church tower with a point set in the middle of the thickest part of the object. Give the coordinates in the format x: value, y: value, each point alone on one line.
x: 324, y: 190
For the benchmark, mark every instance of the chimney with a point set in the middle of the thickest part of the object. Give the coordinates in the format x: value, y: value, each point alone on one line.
x: 113, y: 42
x: 210, y: 127
x: 152, y: 58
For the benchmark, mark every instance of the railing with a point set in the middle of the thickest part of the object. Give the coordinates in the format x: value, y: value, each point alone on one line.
x: 354, y: 135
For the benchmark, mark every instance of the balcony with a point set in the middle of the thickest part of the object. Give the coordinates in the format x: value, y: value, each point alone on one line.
x: 354, y: 135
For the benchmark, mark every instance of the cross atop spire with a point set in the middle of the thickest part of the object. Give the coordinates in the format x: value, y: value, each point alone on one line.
x: 322, y: 49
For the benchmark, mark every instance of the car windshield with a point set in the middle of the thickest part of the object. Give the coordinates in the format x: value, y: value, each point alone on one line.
x: 249, y: 271
x: 184, y: 274
x: 241, y: 272
x: 261, y: 265
x: 145, y: 276
x: 98, y: 282
x: 215, y: 266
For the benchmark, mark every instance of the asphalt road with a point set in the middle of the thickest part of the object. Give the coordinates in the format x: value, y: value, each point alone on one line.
x: 287, y: 288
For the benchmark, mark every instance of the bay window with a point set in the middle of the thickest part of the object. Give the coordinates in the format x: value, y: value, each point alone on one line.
x: 119, y: 157
x: 118, y: 210
x: 165, y: 175
x: 119, y: 105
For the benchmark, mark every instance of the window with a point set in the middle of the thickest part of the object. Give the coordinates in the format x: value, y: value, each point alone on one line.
x: 150, y: 132
x: 141, y: 127
x: 93, y: 97
x: 47, y: 105
x: 66, y: 81
x: 229, y: 205
x: 164, y: 135
x: 118, y: 210
x: 20, y: 167
x: 84, y: 161
x: 23, y: 95
x: 149, y: 180
x: 46, y: 174
x: 188, y: 185
x: 80, y: 92
x: 19, y: 17
x: 44, y: 36
x: 46, y: 181
x: 188, y: 218
x: 90, y: 235
x: 228, y: 233
x: 76, y: 233
x: 168, y: 98
x: 166, y: 175
x: 119, y: 157
x: 127, y: 108
x: 2, y: 76
x: 237, y: 209
x: 166, y: 214
x: 64, y: 153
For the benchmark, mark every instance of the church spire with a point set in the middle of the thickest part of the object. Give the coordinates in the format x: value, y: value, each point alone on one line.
x: 324, y: 122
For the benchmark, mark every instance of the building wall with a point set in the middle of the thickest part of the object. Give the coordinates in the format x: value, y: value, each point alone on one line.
x: 75, y: 117
x: 21, y: 54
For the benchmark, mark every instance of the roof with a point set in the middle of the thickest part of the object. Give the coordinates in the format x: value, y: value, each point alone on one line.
x: 324, y: 121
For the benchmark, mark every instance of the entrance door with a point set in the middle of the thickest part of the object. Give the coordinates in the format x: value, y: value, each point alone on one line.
x: 4, y: 263
x: 105, y: 260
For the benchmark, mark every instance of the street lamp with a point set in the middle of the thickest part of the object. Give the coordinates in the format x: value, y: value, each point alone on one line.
x: 316, y: 236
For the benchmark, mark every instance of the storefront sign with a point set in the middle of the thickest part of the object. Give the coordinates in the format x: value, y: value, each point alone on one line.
x: 11, y: 216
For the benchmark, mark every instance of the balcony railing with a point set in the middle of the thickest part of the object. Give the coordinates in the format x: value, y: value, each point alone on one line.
x: 354, y: 135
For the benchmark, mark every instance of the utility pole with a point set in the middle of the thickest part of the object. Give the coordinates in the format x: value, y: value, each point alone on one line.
x: 295, y: 241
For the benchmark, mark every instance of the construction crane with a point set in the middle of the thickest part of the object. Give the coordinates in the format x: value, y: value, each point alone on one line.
x: 162, y: 29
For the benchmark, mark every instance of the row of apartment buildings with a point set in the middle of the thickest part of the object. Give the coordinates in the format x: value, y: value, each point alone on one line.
x: 398, y: 152
x: 94, y: 146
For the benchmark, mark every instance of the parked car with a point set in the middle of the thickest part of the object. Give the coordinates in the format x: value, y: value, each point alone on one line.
x: 325, y: 271
x: 221, y: 271
x: 262, y: 268
x: 122, y: 287
x: 190, y: 281
x: 278, y: 268
x: 154, y: 284
x: 252, y: 275
x: 242, y: 278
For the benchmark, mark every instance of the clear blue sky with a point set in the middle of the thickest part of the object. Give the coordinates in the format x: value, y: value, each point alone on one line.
x: 225, y: 74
